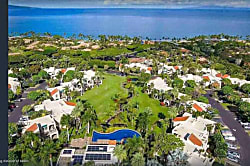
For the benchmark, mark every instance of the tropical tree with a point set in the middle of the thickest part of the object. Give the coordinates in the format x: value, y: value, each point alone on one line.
x: 120, y: 153
x: 89, y: 116
x: 142, y: 122
x: 11, y: 95
x: 66, y: 121
x: 165, y: 144
x: 138, y: 160
x: 26, y: 109
x: 133, y: 145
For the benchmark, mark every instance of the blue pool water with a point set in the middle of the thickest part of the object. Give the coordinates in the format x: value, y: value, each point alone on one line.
x: 153, y: 23
x: 117, y: 135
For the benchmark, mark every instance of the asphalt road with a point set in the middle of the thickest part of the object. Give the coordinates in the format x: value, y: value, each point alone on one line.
x: 16, y: 114
x: 239, y: 133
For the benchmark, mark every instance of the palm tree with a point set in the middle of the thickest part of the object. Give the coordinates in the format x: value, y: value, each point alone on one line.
x: 120, y: 153
x: 66, y: 92
x: 66, y: 121
x: 76, y: 113
x: 138, y: 160
x: 89, y: 115
x: 133, y: 145
x: 165, y: 144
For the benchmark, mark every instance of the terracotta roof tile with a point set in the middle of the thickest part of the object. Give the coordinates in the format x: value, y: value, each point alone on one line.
x: 195, y: 140
x: 198, y: 108
x: 112, y: 142
x: 149, y: 68
x: 70, y: 103
x: 206, y: 78
x: 176, y: 68
x: 218, y: 75
x: 32, y: 128
x: 225, y: 76
x: 53, y: 92
x: 63, y: 70
x: 184, y: 118
x: 9, y: 86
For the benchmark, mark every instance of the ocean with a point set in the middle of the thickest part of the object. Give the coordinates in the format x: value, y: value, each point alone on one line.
x: 152, y: 23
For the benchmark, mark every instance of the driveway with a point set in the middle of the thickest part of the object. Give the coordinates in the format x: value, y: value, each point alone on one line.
x: 240, y: 134
x: 16, y: 114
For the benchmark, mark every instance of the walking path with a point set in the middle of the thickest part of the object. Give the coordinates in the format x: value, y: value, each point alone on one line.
x: 236, y: 128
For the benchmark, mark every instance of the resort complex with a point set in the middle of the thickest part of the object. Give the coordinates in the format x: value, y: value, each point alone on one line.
x: 116, y: 100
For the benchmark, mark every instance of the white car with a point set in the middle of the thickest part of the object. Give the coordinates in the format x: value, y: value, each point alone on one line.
x: 231, y: 158
x: 230, y: 138
x: 234, y: 154
x: 231, y: 146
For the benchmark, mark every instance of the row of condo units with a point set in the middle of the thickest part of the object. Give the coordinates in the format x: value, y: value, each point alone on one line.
x: 89, y: 80
x: 194, y: 133
x: 49, y: 124
x: 161, y: 86
x: 142, y: 64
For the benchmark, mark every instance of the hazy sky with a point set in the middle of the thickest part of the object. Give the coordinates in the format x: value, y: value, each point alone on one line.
x: 129, y: 3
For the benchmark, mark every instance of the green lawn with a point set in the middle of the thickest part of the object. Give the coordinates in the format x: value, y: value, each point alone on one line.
x: 145, y: 101
x: 100, y: 97
x: 225, y: 105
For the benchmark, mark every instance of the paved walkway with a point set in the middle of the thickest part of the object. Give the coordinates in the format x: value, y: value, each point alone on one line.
x: 240, y: 134
x: 16, y: 114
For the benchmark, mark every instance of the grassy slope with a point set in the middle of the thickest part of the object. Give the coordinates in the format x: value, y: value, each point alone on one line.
x: 100, y: 97
x: 145, y: 101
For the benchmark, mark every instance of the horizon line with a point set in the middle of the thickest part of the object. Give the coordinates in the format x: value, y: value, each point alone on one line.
x: 137, y: 7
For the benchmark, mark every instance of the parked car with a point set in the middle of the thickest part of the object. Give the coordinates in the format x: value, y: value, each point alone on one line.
x: 231, y: 146
x: 234, y: 154
x: 23, y: 120
x: 230, y: 138
x: 10, y: 110
x: 11, y: 106
x: 18, y: 100
x: 231, y: 158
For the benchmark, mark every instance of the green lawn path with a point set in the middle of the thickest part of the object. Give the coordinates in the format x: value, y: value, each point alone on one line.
x: 100, y: 97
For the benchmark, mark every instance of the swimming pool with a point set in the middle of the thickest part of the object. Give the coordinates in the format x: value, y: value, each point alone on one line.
x: 117, y: 135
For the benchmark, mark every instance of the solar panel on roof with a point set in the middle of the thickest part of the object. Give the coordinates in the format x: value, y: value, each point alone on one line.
x: 67, y: 151
x: 97, y: 149
x: 97, y: 156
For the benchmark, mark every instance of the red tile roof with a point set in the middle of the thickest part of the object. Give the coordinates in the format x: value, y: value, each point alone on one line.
x: 225, y: 76
x: 112, y: 142
x: 176, y: 68
x: 206, y: 78
x: 63, y: 70
x: 70, y: 103
x: 53, y: 92
x: 32, y: 128
x: 198, y: 108
x: 184, y: 118
x: 149, y: 68
x: 162, y: 103
x: 222, y: 76
x: 218, y: 75
x: 9, y: 86
x: 195, y: 140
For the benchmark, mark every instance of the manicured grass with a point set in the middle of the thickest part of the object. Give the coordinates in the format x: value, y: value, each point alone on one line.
x: 100, y: 97
x: 225, y: 105
x: 145, y: 101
